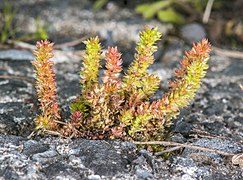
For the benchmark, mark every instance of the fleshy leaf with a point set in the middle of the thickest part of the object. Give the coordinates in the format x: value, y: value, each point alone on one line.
x: 45, y: 86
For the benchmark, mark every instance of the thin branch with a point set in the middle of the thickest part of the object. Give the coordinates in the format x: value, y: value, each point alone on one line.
x: 207, y: 11
x: 32, y: 134
x: 20, y: 44
x: 60, y: 122
x: 205, y: 134
x: 167, y: 143
x: 199, y: 133
x: 228, y: 53
x: 238, y: 160
x: 168, y: 150
x: 53, y: 133
x: 28, y: 46
x: 71, y: 43
x: 241, y: 87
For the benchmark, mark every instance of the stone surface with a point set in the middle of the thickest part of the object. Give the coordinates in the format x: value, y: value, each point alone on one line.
x: 193, y: 32
x: 217, y: 111
x: 112, y: 25
x: 213, y: 120
x: 16, y: 55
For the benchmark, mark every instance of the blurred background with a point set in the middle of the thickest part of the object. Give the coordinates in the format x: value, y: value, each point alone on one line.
x: 117, y: 23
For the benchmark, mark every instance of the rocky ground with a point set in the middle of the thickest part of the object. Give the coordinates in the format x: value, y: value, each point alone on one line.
x: 213, y: 120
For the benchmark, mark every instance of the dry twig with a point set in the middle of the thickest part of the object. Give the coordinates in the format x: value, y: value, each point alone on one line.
x: 238, y: 160
x: 207, y: 11
x: 20, y: 44
x: 167, y: 143
x: 71, y: 43
x: 228, y: 53
x: 24, y: 45
x: 168, y: 150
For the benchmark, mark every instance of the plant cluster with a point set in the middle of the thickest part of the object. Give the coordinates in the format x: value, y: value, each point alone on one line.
x: 45, y: 86
x: 119, y: 107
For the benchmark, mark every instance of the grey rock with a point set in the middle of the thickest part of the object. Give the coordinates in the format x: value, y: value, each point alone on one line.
x: 217, y: 108
x: 60, y: 56
x: 234, y: 70
x: 49, y: 157
x: 78, y: 20
x: 183, y: 127
x: 56, y: 158
x: 173, y: 53
x: 97, y: 157
x: 16, y: 55
x: 143, y: 174
x: 177, y: 137
x: 32, y: 147
x: 193, y: 33
x: 218, y: 144
x: 185, y: 167
x: 94, y: 177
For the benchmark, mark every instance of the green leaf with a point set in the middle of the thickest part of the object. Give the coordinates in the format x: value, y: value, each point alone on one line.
x: 170, y: 15
x: 81, y: 106
x: 149, y: 10
x: 143, y: 7
x: 99, y: 4
x: 7, y: 15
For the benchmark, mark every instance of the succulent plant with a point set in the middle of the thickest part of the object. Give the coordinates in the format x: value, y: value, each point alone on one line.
x: 45, y: 86
x: 120, y: 107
